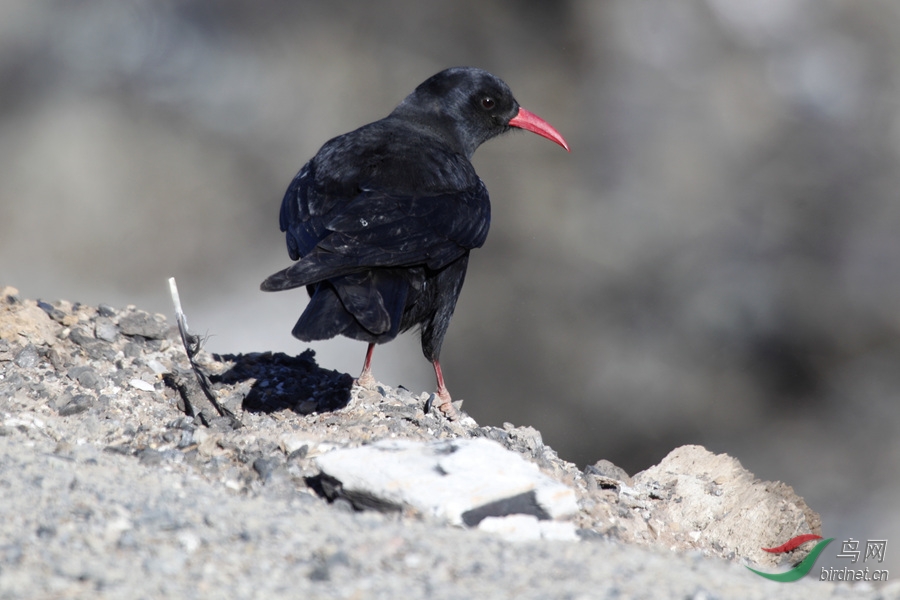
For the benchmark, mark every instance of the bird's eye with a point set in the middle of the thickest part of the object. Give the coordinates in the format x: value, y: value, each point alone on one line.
x: 487, y: 103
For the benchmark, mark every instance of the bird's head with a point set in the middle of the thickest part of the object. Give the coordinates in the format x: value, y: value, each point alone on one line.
x: 469, y: 106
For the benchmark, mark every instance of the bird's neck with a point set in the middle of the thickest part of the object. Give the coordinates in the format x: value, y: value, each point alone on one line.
x: 431, y: 121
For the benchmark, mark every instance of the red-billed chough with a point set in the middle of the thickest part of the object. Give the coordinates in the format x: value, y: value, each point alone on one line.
x: 381, y: 220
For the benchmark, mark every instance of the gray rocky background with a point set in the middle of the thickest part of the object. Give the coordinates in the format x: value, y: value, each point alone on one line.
x: 715, y: 263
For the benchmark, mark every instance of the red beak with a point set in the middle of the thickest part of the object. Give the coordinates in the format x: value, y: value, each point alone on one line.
x: 532, y: 122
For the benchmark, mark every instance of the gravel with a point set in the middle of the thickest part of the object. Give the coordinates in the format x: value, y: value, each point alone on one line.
x: 119, y: 478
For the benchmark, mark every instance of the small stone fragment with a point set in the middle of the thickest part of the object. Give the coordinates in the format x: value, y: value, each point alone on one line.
x: 150, y: 457
x: 140, y: 384
x: 87, y: 377
x: 157, y: 367
x: 77, y: 404
x: 265, y: 467
x: 53, y: 312
x: 81, y: 337
x: 106, y: 330
x: 105, y: 310
x: 27, y: 357
x: 606, y: 473
x: 57, y: 360
x: 143, y: 324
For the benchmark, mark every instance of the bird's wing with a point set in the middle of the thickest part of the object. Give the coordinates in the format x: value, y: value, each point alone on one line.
x: 334, y: 236
x: 379, y: 229
x: 302, y: 211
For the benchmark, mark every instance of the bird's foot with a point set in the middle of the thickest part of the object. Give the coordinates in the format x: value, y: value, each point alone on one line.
x: 445, y: 405
x: 366, y: 380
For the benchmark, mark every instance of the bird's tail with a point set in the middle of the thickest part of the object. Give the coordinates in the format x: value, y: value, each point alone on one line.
x: 365, y: 306
x: 311, y: 269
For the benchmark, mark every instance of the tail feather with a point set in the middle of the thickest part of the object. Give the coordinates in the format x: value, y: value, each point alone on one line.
x: 366, y: 306
x: 324, y: 317
x: 312, y: 268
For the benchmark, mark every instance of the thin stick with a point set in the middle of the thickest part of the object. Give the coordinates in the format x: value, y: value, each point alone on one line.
x: 191, y: 348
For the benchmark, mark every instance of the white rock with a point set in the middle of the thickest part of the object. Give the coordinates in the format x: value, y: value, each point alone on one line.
x: 523, y: 528
x: 515, y: 528
x: 291, y: 443
x: 157, y: 367
x: 140, y: 384
x: 564, y: 531
x: 557, y: 500
x: 447, y: 479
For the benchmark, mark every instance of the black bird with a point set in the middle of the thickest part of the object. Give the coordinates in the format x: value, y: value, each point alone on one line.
x: 381, y: 220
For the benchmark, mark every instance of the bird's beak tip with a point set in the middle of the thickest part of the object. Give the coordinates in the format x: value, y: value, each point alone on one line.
x: 528, y: 120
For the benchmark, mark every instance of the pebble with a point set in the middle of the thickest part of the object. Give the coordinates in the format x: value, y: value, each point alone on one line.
x: 607, y: 471
x: 77, y: 404
x: 27, y: 357
x: 106, y: 330
x: 157, y: 367
x: 105, y: 310
x: 150, y: 456
x: 56, y: 359
x: 86, y: 376
x: 142, y: 324
x: 81, y: 337
x: 140, y: 384
x: 265, y: 467
x: 53, y: 312
x: 94, y: 348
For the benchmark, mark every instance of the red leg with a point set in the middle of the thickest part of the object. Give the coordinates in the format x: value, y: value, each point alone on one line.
x: 365, y: 378
x: 443, y: 395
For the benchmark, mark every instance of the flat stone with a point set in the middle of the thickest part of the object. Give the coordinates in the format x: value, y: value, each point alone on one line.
x: 140, y: 384
x: 459, y: 481
x: 143, y: 324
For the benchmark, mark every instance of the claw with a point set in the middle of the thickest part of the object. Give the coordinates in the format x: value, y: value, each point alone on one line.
x: 445, y: 404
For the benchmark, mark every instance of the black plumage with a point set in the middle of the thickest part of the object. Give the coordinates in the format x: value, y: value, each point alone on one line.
x: 381, y: 220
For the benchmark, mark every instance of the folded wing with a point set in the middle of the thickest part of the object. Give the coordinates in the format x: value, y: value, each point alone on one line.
x: 333, y: 236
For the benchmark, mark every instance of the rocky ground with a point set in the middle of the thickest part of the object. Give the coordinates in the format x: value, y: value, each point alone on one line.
x: 121, y: 478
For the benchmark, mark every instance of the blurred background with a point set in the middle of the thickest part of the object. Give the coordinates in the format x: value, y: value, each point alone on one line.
x: 717, y: 261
